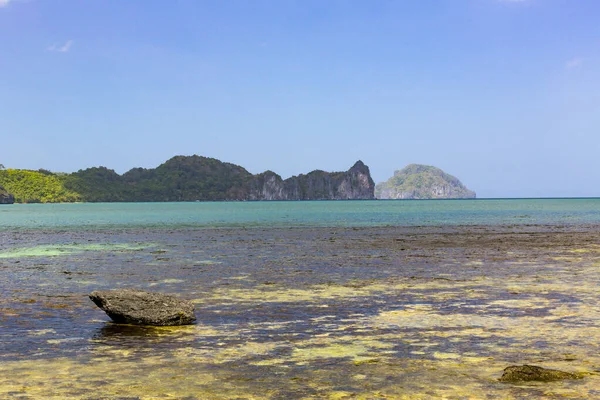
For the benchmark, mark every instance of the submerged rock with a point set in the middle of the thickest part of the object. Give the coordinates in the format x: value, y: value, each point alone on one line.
x: 524, y: 373
x: 129, y: 306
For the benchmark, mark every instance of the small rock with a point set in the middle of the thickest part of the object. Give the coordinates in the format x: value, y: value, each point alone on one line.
x: 129, y: 306
x: 526, y: 373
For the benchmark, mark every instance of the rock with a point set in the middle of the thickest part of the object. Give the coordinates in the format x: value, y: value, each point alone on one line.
x: 129, y: 306
x: 527, y: 373
x: 5, y: 197
x: 354, y: 184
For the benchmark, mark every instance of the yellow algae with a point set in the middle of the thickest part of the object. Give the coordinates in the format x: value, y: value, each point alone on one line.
x: 167, y: 281
x: 239, y: 278
x: 354, y: 352
x: 247, y: 349
x: 65, y: 340
x: 313, y: 293
x: 146, y: 378
x: 521, y: 303
x: 358, y: 349
x: 340, y: 395
x: 445, y: 356
x: 271, y: 362
x: 569, y: 259
x: 586, y: 250
x: 86, y: 282
x: 174, y: 376
x: 207, y: 262
x: 316, y: 293
x: 40, y: 332
x: 429, y: 320
x: 474, y: 263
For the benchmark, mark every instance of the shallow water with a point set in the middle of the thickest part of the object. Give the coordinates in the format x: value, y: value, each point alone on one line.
x: 269, y: 214
x: 380, y: 312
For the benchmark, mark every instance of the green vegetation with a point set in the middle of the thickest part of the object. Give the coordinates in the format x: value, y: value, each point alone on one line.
x: 422, y: 182
x: 188, y: 179
x: 36, y: 186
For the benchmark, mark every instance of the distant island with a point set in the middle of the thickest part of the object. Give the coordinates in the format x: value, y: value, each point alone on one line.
x: 417, y: 181
x: 183, y: 178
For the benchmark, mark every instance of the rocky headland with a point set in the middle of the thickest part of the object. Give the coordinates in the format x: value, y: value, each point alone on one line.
x: 5, y: 197
x: 417, y: 181
x: 354, y: 184
x: 186, y: 178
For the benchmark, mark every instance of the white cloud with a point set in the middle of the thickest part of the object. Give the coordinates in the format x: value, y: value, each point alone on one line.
x: 4, y: 3
x: 574, y: 63
x: 61, y: 49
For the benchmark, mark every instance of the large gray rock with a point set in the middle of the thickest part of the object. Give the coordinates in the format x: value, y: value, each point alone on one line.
x: 527, y: 373
x: 129, y: 306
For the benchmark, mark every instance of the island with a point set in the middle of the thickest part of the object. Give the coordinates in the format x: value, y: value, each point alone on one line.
x: 185, y: 178
x: 417, y: 181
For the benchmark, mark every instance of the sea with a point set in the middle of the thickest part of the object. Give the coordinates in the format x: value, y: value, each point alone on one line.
x: 300, y: 213
x: 400, y: 299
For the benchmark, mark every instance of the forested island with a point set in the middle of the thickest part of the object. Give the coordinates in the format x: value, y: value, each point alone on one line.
x: 184, y: 178
x: 416, y: 181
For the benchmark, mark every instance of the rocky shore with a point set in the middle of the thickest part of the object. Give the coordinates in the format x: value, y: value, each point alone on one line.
x: 387, y: 312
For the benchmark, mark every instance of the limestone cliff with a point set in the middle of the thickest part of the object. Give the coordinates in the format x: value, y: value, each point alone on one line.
x: 197, y: 178
x: 422, y: 182
x: 354, y: 184
x: 5, y: 197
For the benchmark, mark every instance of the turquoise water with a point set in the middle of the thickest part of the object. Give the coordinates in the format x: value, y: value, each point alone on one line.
x: 301, y: 214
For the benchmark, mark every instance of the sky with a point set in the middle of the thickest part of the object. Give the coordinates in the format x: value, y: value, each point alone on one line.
x: 503, y: 94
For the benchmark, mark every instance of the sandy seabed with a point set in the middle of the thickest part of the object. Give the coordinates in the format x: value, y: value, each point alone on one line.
x: 303, y: 313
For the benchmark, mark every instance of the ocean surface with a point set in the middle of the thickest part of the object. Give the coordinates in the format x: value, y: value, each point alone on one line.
x: 301, y: 214
x: 303, y: 300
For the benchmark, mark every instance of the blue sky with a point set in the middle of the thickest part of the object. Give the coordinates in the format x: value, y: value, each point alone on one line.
x: 504, y: 94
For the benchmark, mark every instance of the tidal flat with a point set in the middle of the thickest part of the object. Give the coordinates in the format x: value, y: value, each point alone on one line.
x: 304, y: 313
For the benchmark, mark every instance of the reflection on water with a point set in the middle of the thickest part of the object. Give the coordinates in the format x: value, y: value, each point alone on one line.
x: 306, y: 313
x: 112, y: 332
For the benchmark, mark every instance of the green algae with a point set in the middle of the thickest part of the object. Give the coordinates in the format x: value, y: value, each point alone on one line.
x: 68, y: 249
x: 207, y: 262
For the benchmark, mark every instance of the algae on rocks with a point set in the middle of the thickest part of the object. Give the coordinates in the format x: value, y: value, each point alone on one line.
x: 129, y: 306
x: 528, y: 373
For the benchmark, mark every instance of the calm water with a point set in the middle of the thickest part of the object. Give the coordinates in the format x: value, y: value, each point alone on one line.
x: 301, y: 214
x: 361, y: 299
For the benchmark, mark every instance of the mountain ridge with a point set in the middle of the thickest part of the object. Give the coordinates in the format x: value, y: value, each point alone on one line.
x: 186, y: 178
